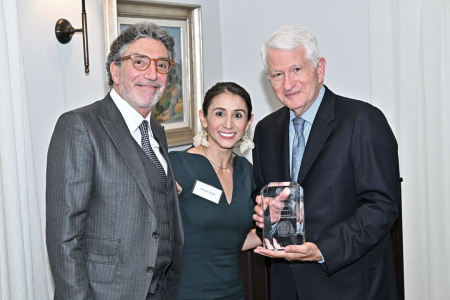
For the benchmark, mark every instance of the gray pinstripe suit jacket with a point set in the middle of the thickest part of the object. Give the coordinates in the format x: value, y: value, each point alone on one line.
x: 100, y: 211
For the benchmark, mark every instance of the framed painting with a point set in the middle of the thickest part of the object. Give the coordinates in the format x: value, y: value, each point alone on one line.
x: 177, y: 109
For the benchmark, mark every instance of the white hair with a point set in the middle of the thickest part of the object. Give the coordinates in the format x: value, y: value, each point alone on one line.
x: 289, y: 37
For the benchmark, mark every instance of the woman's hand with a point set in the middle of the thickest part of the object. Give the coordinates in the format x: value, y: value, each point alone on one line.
x: 179, y: 188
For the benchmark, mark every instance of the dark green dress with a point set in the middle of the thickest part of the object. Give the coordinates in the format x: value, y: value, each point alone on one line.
x: 214, y: 233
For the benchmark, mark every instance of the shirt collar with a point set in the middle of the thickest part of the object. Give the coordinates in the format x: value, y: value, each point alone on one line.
x: 132, y: 118
x: 311, y: 113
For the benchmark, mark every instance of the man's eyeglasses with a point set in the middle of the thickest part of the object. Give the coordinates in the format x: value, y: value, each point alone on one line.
x: 279, y: 77
x: 141, y: 62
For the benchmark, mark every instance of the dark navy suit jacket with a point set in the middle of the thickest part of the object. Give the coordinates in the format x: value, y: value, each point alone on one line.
x: 350, y: 176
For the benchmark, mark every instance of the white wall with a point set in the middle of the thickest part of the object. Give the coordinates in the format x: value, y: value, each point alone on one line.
x: 341, y: 28
x: 55, y: 78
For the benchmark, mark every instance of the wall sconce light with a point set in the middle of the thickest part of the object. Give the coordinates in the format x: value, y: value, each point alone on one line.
x: 64, y: 32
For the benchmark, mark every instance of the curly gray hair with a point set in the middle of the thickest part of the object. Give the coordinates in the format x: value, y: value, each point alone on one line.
x: 131, y: 34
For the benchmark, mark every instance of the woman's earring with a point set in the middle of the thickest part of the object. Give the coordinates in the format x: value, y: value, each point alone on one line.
x: 201, y: 138
x: 246, y: 143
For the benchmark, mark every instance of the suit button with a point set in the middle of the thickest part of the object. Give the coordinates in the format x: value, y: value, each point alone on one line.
x: 155, y: 235
x: 149, y: 269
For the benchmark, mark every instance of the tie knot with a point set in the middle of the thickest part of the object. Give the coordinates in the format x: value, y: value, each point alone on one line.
x: 298, y: 124
x: 144, y: 126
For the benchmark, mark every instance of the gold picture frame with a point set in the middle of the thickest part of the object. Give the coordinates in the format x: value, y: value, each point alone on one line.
x: 178, y: 108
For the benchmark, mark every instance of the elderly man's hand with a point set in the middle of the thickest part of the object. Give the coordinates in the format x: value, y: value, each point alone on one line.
x: 275, y: 205
x: 305, y: 252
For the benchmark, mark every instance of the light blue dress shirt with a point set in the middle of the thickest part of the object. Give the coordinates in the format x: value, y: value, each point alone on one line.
x: 309, y: 117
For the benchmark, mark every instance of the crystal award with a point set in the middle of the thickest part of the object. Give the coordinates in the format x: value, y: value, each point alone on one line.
x: 284, y: 216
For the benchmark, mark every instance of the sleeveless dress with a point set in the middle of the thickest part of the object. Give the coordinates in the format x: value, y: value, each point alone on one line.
x: 214, y: 233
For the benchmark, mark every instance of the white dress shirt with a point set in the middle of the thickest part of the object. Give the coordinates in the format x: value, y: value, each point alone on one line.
x: 133, y: 119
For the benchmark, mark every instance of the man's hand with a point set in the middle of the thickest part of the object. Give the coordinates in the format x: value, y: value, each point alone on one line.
x: 305, y: 252
x: 275, y: 205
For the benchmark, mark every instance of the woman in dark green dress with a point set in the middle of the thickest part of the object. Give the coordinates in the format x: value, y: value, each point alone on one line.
x: 215, y: 189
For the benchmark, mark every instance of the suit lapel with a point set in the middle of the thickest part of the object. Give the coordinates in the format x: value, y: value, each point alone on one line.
x: 281, y: 144
x: 319, y: 133
x: 130, y: 151
x: 160, y: 137
x: 158, y: 134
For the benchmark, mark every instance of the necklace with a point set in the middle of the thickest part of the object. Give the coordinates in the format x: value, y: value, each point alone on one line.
x: 222, y: 168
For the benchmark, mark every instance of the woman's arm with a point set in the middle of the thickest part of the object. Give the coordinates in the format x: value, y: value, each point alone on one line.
x: 251, y: 241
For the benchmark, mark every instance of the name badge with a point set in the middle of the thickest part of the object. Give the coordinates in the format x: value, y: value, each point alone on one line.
x: 206, y: 191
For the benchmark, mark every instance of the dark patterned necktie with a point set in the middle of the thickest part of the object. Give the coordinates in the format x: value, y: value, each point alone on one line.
x: 298, y: 147
x: 149, y: 151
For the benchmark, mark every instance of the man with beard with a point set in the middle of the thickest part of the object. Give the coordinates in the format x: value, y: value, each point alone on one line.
x: 113, y: 222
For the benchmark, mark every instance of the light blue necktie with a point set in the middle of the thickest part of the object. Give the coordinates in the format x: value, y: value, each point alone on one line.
x: 298, y: 147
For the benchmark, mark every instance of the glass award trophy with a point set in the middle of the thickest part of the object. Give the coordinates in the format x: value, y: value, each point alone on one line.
x: 284, y: 217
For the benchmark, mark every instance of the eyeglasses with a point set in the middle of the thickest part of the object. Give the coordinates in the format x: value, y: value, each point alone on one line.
x: 141, y: 62
x: 280, y: 76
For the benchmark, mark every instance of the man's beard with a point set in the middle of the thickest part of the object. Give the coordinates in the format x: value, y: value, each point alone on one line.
x: 134, y: 98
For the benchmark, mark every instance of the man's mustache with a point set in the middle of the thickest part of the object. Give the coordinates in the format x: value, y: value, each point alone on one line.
x: 152, y: 83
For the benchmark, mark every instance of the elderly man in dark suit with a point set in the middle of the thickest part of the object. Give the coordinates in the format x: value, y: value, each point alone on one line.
x: 344, y: 155
x: 113, y: 222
